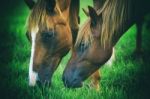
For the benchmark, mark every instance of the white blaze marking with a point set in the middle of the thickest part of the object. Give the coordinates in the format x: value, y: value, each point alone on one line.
x: 112, y: 58
x: 32, y: 75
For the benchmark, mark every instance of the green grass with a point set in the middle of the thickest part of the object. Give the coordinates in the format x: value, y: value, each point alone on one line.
x: 128, y: 77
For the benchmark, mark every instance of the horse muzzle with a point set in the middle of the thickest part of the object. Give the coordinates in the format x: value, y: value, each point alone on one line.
x: 33, y: 77
x: 41, y: 79
x: 71, y: 82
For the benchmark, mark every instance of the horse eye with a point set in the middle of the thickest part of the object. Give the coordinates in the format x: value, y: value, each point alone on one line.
x: 82, y: 46
x: 47, y: 35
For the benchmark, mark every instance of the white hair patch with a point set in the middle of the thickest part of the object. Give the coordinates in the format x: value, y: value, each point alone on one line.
x: 32, y: 75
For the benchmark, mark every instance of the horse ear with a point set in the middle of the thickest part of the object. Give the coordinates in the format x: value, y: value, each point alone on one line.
x: 94, y: 23
x: 86, y: 12
x: 92, y: 13
x: 50, y: 5
x: 95, y: 19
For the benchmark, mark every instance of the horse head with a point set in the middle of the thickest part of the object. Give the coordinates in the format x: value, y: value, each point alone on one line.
x: 49, y: 32
x: 88, y: 55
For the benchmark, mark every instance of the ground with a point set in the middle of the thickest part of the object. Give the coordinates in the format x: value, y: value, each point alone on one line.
x: 127, y: 78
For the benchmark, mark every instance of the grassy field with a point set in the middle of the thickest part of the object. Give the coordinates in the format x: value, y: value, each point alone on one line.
x: 127, y: 78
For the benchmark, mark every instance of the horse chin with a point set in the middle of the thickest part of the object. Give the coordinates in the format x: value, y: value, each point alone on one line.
x: 74, y: 85
x: 78, y: 85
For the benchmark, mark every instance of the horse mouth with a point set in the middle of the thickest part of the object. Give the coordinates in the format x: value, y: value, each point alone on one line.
x: 74, y: 84
x: 78, y: 85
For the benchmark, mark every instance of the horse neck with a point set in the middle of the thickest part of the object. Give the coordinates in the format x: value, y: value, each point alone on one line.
x: 124, y: 26
x: 135, y: 14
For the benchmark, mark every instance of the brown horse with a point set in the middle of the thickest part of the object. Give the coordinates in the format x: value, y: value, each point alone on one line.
x: 98, y: 36
x: 51, y: 25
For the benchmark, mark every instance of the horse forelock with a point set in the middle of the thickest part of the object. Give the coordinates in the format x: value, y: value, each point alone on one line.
x: 84, y: 34
x: 39, y: 16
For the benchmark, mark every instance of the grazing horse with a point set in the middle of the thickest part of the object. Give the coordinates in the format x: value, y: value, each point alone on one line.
x: 50, y: 27
x: 98, y: 36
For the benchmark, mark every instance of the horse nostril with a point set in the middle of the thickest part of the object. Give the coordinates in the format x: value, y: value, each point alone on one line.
x: 71, y: 82
x: 75, y: 80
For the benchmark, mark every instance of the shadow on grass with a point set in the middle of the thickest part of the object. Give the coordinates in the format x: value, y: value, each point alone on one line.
x: 8, y: 86
x: 6, y: 53
x: 136, y: 80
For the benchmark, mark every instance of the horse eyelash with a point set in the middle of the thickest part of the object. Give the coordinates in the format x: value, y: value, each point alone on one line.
x: 82, y: 46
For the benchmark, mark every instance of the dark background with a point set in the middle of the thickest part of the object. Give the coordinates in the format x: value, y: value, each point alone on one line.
x: 8, y: 10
